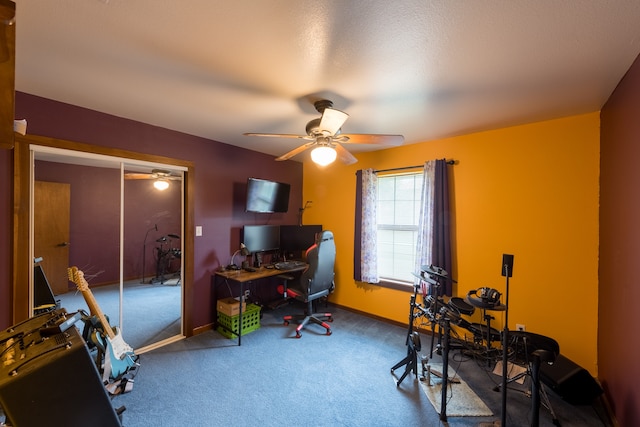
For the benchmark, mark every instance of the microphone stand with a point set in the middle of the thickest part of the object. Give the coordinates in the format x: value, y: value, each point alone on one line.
x: 505, y: 333
x: 144, y: 249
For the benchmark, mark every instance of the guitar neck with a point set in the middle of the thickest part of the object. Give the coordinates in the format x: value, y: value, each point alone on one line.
x: 95, y: 309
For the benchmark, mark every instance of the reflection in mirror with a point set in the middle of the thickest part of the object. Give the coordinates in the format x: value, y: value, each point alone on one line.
x: 152, y: 255
x: 77, y: 221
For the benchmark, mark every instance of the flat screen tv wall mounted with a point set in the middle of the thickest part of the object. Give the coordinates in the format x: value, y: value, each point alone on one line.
x: 264, y: 196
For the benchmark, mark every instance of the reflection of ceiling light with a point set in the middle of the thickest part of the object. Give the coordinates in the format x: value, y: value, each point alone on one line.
x: 323, y: 155
x: 161, y: 184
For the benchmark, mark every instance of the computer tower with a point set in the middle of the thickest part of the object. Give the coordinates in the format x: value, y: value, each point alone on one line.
x: 48, y: 377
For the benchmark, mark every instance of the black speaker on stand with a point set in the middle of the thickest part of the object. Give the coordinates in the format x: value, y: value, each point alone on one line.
x: 507, y: 272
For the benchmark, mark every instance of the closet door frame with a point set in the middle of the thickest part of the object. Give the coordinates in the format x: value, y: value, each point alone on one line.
x: 23, y: 205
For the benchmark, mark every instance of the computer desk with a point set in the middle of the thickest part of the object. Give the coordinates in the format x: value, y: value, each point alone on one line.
x: 241, y: 277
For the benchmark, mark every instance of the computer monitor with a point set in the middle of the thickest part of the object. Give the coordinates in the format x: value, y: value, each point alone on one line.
x: 261, y: 238
x: 295, y: 239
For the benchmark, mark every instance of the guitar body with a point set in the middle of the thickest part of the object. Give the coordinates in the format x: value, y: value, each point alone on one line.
x: 121, y: 356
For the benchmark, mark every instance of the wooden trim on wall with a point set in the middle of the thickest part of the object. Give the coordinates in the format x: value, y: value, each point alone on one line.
x: 21, y: 205
x: 22, y: 265
x: 7, y: 72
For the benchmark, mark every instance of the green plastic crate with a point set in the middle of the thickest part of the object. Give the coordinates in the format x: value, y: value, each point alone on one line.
x: 250, y: 321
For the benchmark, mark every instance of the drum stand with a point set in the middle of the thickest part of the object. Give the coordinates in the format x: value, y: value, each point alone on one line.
x: 537, y: 392
x: 540, y: 350
x: 439, y: 315
x: 410, y: 362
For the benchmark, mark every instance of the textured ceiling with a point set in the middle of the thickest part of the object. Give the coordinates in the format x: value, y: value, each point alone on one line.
x: 423, y: 69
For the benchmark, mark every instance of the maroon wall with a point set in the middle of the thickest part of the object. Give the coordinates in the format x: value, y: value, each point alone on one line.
x: 619, y: 281
x: 221, y: 172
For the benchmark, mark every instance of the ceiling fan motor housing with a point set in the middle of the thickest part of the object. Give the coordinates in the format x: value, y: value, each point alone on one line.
x: 322, y: 104
x: 313, y: 127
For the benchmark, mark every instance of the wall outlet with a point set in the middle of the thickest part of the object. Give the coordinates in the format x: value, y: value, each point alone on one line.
x: 520, y: 327
x: 246, y: 293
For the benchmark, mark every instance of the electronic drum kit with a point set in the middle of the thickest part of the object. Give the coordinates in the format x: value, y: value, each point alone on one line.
x: 437, y: 310
x: 164, y: 257
x: 524, y: 347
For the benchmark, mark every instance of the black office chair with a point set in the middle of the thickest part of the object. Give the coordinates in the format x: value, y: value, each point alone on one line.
x: 315, y: 282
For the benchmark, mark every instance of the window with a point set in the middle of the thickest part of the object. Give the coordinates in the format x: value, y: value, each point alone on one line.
x: 397, y: 222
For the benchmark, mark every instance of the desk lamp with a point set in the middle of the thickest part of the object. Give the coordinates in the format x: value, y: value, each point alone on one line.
x: 243, y: 250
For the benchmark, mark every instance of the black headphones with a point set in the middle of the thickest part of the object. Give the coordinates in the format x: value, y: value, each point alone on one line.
x: 486, y: 297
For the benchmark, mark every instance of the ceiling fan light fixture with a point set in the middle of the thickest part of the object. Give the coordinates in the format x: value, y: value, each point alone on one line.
x: 161, y: 184
x: 323, y: 155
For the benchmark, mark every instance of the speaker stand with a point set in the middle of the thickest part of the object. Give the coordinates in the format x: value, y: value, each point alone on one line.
x: 505, y: 341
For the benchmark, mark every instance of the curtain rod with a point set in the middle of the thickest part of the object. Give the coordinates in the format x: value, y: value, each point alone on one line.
x: 449, y: 162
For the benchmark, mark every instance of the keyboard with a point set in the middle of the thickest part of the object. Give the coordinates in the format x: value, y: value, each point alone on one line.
x: 289, y: 265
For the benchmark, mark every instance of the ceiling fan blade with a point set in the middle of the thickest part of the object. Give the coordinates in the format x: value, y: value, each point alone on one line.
x: 295, y: 151
x: 332, y: 120
x: 279, y: 135
x: 355, y: 138
x: 132, y: 175
x: 344, y: 156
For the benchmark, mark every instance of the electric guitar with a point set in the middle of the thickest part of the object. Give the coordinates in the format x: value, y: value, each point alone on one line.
x: 121, y: 355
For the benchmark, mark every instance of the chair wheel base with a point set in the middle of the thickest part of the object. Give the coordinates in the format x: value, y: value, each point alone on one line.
x: 318, y: 318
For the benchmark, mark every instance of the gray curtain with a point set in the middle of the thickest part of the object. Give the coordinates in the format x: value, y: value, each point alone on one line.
x: 441, y: 242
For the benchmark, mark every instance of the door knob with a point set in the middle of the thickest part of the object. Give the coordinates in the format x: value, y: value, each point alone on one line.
x: 63, y: 244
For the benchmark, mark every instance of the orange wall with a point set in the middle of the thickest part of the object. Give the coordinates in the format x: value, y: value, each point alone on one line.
x: 529, y: 190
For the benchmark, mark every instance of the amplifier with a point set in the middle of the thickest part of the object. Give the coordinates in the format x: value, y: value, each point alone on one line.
x: 572, y: 382
x: 48, y: 377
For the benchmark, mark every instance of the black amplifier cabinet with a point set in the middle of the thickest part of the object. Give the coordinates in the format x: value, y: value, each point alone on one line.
x: 47, y: 376
x: 572, y: 382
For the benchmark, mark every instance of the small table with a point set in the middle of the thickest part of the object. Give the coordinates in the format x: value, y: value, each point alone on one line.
x: 243, y: 276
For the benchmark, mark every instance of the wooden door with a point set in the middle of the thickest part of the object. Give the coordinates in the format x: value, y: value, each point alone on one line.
x: 51, y: 214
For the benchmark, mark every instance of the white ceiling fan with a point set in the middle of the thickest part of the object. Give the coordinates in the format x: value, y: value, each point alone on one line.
x: 326, y: 139
x: 161, y: 177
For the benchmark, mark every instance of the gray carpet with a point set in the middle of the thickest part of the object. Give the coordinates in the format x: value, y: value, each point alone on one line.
x: 317, y: 380
x: 151, y: 312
